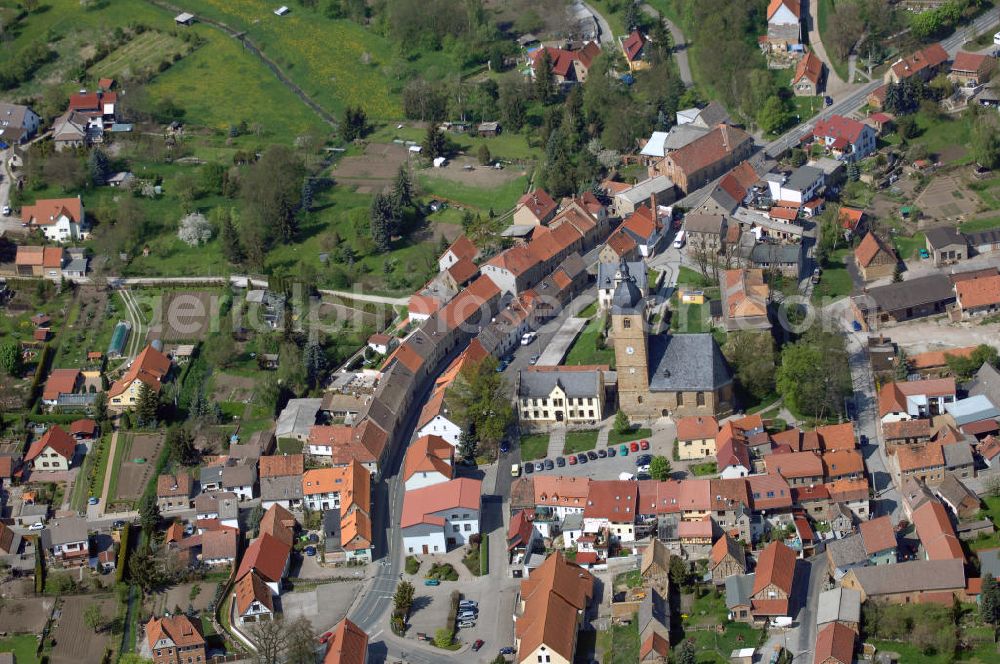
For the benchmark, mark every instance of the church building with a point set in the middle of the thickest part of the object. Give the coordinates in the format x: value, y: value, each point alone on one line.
x: 677, y: 375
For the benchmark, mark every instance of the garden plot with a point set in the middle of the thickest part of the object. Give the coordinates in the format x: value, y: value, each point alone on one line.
x: 144, y: 52
x: 133, y: 474
x: 25, y: 616
x: 227, y: 387
x: 373, y: 170
x: 947, y: 198
x: 74, y: 641
x: 185, y: 316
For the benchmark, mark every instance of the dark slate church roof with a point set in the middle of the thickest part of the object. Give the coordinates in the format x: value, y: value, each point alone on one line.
x: 686, y: 362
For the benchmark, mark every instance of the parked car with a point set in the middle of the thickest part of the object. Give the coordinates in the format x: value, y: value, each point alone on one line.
x: 6, y: 210
x: 582, y: 458
x: 856, y: 326
x: 467, y: 615
x: 643, y: 460
x: 310, y: 551
x: 828, y: 100
x: 468, y: 604
x: 432, y: 582
x: 643, y: 469
x: 572, y: 460
x: 529, y: 468
x: 507, y: 650
x: 326, y: 637
x: 561, y: 462
x: 611, y: 452
x: 539, y: 467
x: 623, y: 448
x: 189, y: 529
x: 118, y: 525
x: 37, y: 526
x: 533, y: 360
x: 634, y: 446
x: 592, y: 455
x: 863, y: 439
x: 924, y: 253
x: 93, y: 500
x: 549, y: 464
x: 602, y: 453
x: 504, y: 447
x: 467, y: 624
x: 479, y: 643
x: 644, y: 444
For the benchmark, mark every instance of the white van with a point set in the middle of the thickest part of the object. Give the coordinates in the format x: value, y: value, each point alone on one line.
x: 527, y: 338
x: 996, y: 39
x: 679, y: 240
x: 515, y: 470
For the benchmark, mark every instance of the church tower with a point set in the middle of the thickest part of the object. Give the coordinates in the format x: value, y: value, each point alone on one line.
x: 628, y: 327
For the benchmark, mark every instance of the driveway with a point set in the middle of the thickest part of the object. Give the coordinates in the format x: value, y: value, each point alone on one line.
x: 834, y: 83
x: 680, y: 45
x: 607, y: 36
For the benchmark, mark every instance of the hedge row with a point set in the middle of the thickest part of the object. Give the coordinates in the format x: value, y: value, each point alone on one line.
x: 41, y: 373
x: 122, y: 554
x: 452, y: 624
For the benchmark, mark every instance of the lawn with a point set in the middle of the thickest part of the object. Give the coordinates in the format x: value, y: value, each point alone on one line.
x: 121, y: 453
x: 992, y: 511
x: 614, y: 438
x: 707, y: 468
x: 714, y: 647
x: 689, y: 318
x: 23, y: 646
x: 580, y: 441
x: 336, y: 62
x: 585, y: 349
x: 690, y: 277
x: 908, y: 247
x: 500, y: 199
x: 217, y: 96
x: 980, y: 225
x: 620, y: 643
x: 940, y: 133
x: 534, y: 446
x: 835, y: 282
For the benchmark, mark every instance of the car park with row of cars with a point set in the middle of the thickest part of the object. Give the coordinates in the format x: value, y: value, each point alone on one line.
x: 581, y: 458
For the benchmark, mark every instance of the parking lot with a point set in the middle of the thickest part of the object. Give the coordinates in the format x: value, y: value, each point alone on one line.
x: 493, y: 626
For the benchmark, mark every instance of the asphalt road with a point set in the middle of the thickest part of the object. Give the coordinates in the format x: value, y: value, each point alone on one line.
x: 856, y: 99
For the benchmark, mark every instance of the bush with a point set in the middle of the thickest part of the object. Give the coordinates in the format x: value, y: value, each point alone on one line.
x: 412, y: 565
x: 453, y: 613
x: 484, y: 556
x: 442, y: 572
x: 40, y: 568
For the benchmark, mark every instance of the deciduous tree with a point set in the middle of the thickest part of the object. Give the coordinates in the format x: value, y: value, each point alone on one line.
x: 659, y: 468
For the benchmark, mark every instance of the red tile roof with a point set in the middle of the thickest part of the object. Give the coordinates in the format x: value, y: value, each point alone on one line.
x: 429, y: 454
x: 632, y: 45
x: 643, y: 222
x: 935, y: 359
x: 267, y: 556
x: 841, y: 463
x: 83, y: 427
x: 982, y: 292
x: 936, y: 533
x: 837, y: 436
x: 614, y: 500
x: 55, y: 438
x: 834, y: 644
x: 179, y: 629
x: 838, y: 126
x: 149, y: 367
x: 348, y: 645
x: 969, y: 62
x: 284, y: 465
x: 907, y: 430
x: 850, y: 217
x: 810, y: 67
x: 775, y: 565
x: 621, y: 242
x: 870, y: 247
x: 892, y: 396
x: 709, y: 148
x: 462, y: 271
x: 538, y: 202
x: 932, y: 56
x: 419, y: 505
x: 793, y: 5
x: 61, y: 381
x: 878, y: 535
x: 848, y: 490
x: 47, y: 211
x: 769, y: 491
x: 249, y: 589
x: 463, y: 248
x: 919, y: 457
x: 697, y: 427
x: 795, y: 465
